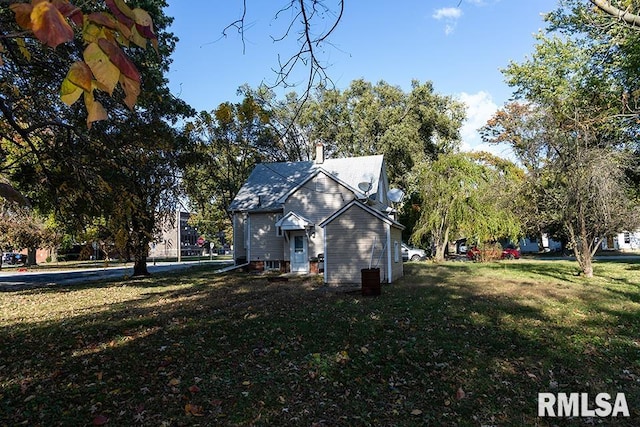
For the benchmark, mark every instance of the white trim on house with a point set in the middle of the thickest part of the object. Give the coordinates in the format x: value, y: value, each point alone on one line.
x: 294, y: 221
x: 326, y: 173
x: 367, y: 208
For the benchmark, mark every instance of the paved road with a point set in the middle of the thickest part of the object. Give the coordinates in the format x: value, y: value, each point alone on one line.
x: 12, y: 280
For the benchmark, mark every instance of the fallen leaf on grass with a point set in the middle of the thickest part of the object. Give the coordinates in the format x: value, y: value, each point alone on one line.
x: 195, y: 410
x: 100, y: 420
x: 416, y: 412
x: 194, y: 389
x: 460, y: 394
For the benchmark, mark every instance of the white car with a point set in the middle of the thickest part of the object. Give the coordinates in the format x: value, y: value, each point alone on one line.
x: 412, y: 254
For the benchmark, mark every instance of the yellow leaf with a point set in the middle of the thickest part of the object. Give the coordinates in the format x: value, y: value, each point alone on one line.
x: 23, y: 49
x: 137, y: 38
x: 142, y: 18
x: 131, y: 89
x: 69, y: 92
x: 105, y: 72
x: 80, y: 75
x: 95, y: 110
x: 92, y: 32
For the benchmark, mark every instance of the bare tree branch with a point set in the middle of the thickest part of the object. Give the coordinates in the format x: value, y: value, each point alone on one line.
x: 623, y: 15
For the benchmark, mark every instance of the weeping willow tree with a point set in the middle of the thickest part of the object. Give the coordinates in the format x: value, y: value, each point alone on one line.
x: 470, y: 194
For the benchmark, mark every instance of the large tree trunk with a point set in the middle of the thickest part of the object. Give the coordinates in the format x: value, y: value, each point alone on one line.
x: 441, y: 245
x: 31, y: 256
x: 140, y: 266
x: 54, y: 254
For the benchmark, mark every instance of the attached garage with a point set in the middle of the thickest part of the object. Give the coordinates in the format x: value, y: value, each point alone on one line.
x: 358, y: 237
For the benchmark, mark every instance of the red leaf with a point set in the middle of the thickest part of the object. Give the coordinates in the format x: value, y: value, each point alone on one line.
x: 49, y: 26
x: 119, y: 59
x: 103, y: 19
x: 100, y: 420
x: 70, y: 11
x: 121, y: 11
x: 194, y: 389
x: 23, y: 14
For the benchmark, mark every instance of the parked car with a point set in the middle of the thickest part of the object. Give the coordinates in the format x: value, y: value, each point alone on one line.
x: 410, y: 253
x: 508, y: 252
x: 12, y: 258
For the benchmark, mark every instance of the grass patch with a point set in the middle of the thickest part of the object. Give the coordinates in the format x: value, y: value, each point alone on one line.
x: 450, y: 344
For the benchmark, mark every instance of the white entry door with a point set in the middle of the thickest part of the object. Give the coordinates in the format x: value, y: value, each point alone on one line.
x: 299, y: 258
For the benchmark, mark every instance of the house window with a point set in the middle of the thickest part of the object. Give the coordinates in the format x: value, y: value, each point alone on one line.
x: 396, y: 252
x: 627, y: 238
x: 272, y: 265
x: 278, y: 229
x: 298, y: 244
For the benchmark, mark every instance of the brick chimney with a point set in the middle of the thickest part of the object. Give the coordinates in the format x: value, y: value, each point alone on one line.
x: 319, y: 153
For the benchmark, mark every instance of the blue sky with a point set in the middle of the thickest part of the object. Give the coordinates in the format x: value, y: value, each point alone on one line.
x: 459, y: 46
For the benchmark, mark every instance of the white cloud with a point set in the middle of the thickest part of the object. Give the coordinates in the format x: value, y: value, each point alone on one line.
x: 449, y: 13
x: 480, y: 108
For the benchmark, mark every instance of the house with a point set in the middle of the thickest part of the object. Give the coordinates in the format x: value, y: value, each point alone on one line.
x: 289, y: 214
x: 625, y: 241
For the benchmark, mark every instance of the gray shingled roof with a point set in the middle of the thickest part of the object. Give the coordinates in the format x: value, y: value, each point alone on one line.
x: 268, y: 182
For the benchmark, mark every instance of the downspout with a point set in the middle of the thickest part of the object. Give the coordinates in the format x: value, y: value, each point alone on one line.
x: 247, y: 230
x: 324, y: 249
x: 388, y: 249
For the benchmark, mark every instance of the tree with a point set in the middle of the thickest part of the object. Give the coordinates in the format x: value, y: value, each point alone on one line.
x: 468, y: 194
x: 102, y: 64
x: 572, y: 138
x: 366, y: 119
x: 81, y: 174
x: 229, y: 142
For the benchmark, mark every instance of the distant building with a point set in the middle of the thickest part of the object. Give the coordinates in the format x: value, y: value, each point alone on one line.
x: 626, y: 241
x: 165, y: 246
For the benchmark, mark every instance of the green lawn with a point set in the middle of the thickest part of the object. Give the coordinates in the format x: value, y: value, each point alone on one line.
x: 453, y: 344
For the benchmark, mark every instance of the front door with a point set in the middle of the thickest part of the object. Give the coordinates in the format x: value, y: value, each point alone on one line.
x: 299, y: 258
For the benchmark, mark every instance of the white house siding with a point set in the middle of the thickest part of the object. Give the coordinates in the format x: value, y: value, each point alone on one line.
x: 351, y: 237
x: 264, y: 243
x: 318, y: 198
x: 627, y: 241
x: 396, y: 263
x: 239, y: 243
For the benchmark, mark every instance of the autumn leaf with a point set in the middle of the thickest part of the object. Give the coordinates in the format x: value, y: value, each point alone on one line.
x: 144, y: 23
x: 100, y: 420
x: 49, y: 25
x: 460, y: 394
x: 95, y: 110
x: 194, y: 389
x: 105, y: 72
x: 23, y: 14
x: 131, y: 89
x: 103, y: 19
x: 70, y: 11
x: 80, y: 75
x: 70, y: 92
x: 118, y: 58
x: 121, y: 11
x: 195, y: 410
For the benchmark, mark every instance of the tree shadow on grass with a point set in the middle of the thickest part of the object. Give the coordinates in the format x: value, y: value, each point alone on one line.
x: 238, y: 350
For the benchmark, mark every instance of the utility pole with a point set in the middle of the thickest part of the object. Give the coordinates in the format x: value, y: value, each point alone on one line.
x: 179, y: 243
